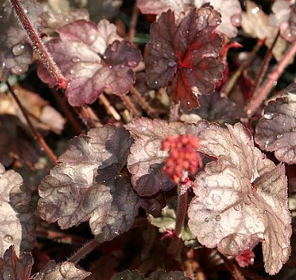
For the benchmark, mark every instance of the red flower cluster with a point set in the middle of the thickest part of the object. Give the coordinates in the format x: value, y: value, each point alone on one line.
x: 183, y: 156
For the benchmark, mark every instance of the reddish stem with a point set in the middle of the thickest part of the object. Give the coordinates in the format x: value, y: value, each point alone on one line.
x: 84, y: 250
x: 264, y: 67
x: 134, y: 19
x: 181, y: 207
x: 38, y: 45
x: 37, y: 135
x: 272, y: 78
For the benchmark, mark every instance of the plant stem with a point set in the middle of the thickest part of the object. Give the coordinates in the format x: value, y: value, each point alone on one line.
x: 272, y: 79
x: 231, y: 82
x: 233, y: 269
x: 130, y: 105
x: 84, y: 250
x: 38, y: 45
x: 264, y: 67
x: 151, y: 112
x: 36, y: 134
x: 134, y: 19
x: 181, y: 208
x: 110, y: 109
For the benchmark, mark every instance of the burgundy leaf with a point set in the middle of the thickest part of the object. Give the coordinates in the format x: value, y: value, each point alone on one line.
x: 61, y: 271
x: 230, y: 11
x: 14, y: 268
x: 80, y: 53
x: 214, y: 107
x: 86, y: 185
x: 15, y: 50
x: 276, y: 130
x: 52, y: 21
x: 185, y: 57
x: 241, y: 199
x: 17, y: 223
x: 146, y: 159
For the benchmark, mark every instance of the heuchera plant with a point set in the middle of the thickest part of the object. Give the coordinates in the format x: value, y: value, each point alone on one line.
x: 158, y: 143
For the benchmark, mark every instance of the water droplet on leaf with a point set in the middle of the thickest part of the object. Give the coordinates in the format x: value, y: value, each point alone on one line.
x: 237, y: 207
x: 17, y: 69
x: 266, y: 144
x: 236, y: 20
x: 157, y: 46
x: 172, y: 64
x: 216, y: 198
x: 18, y: 49
x: 279, y: 136
x: 247, y: 200
x: 218, y: 218
x: 8, y: 238
x: 75, y: 59
x: 6, y: 275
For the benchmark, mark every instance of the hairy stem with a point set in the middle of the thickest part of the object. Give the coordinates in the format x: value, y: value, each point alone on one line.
x: 38, y: 45
x: 272, y: 79
x: 181, y: 208
x: 84, y: 250
x: 36, y: 134
x: 264, y: 67
x: 233, y: 269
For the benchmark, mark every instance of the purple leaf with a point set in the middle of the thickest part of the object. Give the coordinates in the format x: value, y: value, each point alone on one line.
x: 92, y: 60
x: 14, y: 268
x: 17, y: 223
x: 15, y: 50
x: 185, y: 56
x: 61, y: 271
x: 146, y: 159
x: 241, y: 199
x: 214, y: 107
x: 276, y: 130
x: 86, y: 185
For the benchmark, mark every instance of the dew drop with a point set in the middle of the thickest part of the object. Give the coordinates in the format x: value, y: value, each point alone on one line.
x: 17, y: 69
x: 255, y: 10
x: 279, y: 136
x: 157, y: 46
x: 236, y: 20
x: 116, y: 232
x: 268, y: 116
x: 237, y: 207
x: 72, y: 71
x: 25, y: 11
x: 293, y: 129
x: 289, y: 34
x: 156, y: 82
x: 247, y: 200
x: 203, y: 191
x: 132, y: 64
x: 266, y: 144
x: 6, y: 275
x: 218, y: 218
x: 92, y: 38
x: 206, y: 220
x: 3, y: 64
x: 143, y: 128
x: 155, y: 62
x: 216, y: 198
x: 18, y: 49
x: 8, y: 238
x: 172, y: 64
x: 75, y: 59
